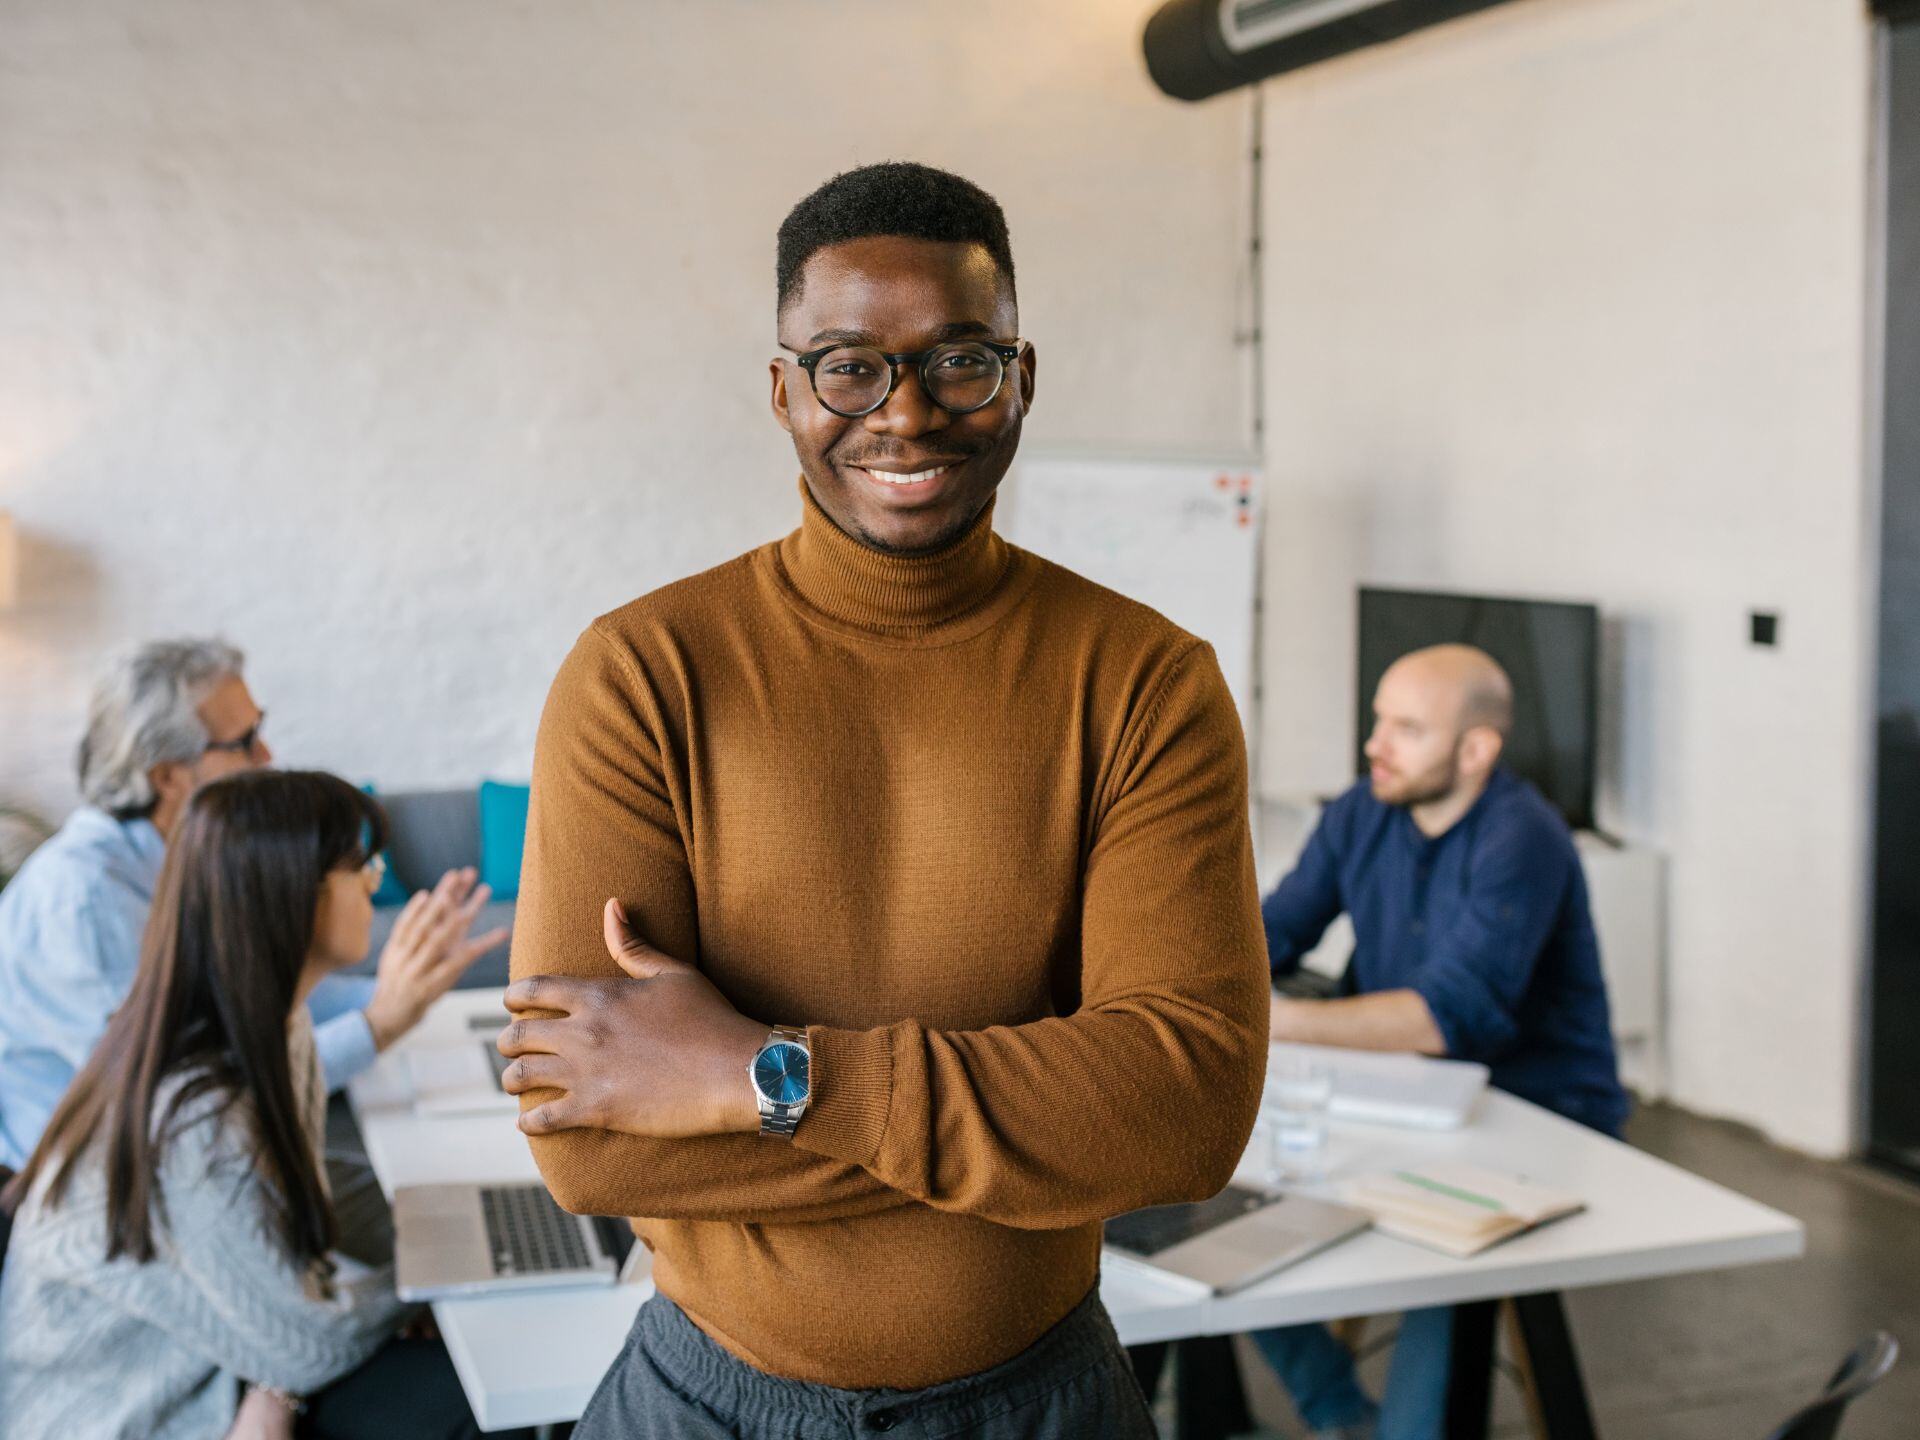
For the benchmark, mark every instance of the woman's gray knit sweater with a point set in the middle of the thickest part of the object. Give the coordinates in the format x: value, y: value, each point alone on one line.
x: 91, y: 1347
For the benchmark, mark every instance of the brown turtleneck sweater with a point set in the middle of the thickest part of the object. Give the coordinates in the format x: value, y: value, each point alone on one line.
x: 981, y: 827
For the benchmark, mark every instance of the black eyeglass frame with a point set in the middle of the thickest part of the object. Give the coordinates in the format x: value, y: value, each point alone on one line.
x: 243, y: 744
x: 1007, y: 353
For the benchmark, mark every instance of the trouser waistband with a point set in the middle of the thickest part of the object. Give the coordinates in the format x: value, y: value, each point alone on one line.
x: 709, y: 1373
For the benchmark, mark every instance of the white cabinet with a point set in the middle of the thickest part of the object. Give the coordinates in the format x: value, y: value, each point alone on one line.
x: 1626, y: 885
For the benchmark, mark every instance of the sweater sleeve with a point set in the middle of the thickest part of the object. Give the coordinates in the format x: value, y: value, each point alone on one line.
x: 221, y: 1282
x: 1145, y: 1094
x: 602, y: 821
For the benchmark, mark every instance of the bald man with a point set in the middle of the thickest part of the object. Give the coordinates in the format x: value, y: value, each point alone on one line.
x: 1473, y: 941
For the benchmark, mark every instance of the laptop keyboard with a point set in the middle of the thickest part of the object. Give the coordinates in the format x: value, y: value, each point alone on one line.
x: 528, y: 1234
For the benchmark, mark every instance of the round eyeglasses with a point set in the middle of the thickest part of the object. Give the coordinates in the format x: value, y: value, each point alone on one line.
x: 960, y: 377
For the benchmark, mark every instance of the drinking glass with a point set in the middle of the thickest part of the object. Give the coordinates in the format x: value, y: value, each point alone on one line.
x: 1294, y: 1117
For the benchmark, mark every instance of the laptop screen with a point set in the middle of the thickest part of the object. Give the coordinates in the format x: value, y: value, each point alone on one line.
x: 1161, y: 1227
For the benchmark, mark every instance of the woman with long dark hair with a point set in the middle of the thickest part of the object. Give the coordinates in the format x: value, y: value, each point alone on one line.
x: 169, y: 1271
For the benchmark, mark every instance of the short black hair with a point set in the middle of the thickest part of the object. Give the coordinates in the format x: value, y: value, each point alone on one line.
x: 895, y: 197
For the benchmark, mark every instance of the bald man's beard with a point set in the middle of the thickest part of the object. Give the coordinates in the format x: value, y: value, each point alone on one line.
x: 1437, y: 782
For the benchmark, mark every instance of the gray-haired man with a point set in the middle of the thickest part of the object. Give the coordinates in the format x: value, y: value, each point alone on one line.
x: 166, y: 718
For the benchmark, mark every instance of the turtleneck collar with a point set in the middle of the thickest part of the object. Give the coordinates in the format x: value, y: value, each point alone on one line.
x: 908, y: 596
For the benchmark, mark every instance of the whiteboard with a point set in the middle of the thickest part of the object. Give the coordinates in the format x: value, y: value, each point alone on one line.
x: 1181, y: 536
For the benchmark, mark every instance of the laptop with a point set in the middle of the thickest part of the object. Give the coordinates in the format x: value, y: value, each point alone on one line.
x: 462, y: 1077
x: 1239, y: 1236
x: 1414, y: 1091
x: 471, y: 1239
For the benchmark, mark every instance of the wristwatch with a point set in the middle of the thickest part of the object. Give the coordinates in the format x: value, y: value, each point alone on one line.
x: 782, y: 1076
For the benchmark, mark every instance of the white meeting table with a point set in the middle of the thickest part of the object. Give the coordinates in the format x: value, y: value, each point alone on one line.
x: 533, y: 1358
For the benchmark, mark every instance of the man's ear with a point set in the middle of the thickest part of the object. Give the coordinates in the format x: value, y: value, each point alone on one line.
x: 778, y: 368
x: 1480, y: 749
x: 172, y: 782
x: 1025, y: 370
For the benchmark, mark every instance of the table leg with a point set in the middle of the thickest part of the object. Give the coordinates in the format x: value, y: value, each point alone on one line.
x: 1470, y: 1381
x: 1209, y: 1401
x: 1148, y: 1362
x: 1555, y: 1366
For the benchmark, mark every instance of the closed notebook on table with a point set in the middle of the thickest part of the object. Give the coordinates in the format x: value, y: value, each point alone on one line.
x: 1455, y: 1208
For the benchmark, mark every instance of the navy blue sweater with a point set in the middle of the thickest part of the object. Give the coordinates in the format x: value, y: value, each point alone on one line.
x: 1488, y: 922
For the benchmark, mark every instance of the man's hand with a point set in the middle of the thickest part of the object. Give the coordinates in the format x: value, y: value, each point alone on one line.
x: 428, y: 950
x: 1385, y: 1020
x: 662, y: 1053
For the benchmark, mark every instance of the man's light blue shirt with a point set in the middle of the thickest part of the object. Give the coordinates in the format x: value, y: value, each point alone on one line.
x: 70, y: 928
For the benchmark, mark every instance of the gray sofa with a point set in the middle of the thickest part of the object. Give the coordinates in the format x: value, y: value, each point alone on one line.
x: 430, y: 833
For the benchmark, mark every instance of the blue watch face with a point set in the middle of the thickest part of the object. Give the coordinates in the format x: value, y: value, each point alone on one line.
x: 781, y: 1073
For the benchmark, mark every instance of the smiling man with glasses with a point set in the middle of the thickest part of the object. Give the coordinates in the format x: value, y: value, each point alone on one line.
x: 888, y: 915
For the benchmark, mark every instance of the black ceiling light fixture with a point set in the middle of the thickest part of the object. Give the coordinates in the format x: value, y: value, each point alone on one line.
x: 1199, y: 48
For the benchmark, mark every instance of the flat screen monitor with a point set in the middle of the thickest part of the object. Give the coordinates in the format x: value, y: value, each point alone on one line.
x: 1551, y: 651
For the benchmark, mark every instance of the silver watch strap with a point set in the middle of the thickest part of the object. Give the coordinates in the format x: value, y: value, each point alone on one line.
x: 775, y: 1118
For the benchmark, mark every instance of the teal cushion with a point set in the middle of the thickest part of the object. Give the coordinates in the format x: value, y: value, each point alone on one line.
x: 503, y: 836
x: 391, y: 891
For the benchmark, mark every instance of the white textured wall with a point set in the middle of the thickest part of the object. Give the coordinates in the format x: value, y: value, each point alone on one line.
x: 1567, y: 300
x: 396, y: 341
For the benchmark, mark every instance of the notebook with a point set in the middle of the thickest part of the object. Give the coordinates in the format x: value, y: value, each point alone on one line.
x: 1456, y: 1208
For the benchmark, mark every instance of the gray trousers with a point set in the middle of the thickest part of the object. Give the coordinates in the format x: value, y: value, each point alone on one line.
x: 671, y: 1381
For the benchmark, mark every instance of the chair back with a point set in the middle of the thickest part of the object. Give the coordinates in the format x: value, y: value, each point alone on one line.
x: 1858, y: 1373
